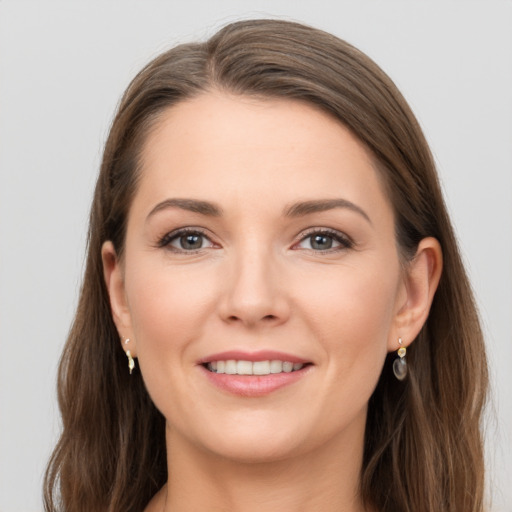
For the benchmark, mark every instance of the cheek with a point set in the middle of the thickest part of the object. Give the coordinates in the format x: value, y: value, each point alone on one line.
x: 352, y: 300
x: 351, y: 316
x: 352, y: 313
x: 169, y: 307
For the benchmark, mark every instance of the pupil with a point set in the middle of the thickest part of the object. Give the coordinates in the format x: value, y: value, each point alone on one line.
x: 191, y: 241
x: 321, y: 242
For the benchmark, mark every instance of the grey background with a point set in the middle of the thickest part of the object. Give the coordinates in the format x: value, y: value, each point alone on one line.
x: 63, y: 67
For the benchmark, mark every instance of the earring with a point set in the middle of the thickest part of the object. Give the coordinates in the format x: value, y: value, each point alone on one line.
x: 131, y: 362
x: 400, y: 364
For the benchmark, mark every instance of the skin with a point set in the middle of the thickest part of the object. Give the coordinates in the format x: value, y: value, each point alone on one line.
x: 256, y: 283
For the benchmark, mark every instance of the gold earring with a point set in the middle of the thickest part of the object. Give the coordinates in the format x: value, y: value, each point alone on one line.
x: 400, y: 364
x: 131, y: 362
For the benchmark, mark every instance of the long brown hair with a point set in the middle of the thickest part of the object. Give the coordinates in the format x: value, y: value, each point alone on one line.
x: 423, y: 445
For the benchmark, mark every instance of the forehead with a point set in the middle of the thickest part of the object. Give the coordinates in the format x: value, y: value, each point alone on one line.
x: 219, y: 146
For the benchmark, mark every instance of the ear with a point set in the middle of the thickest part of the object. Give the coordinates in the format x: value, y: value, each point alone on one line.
x: 420, y: 281
x: 114, y: 280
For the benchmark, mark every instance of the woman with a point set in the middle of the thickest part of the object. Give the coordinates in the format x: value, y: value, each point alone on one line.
x: 274, y: 313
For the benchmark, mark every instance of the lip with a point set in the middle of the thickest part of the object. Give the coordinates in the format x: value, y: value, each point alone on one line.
x: 261, y: 355
x: 253, y: 385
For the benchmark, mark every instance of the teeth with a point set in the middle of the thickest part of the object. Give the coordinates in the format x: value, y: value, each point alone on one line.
x: 276, y: 366
x: 261, y: 368
x: 244, y: 367
x: 287, y: 367
x: 232, y: 367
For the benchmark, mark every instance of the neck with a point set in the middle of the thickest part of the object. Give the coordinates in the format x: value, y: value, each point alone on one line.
x: 326, y: 479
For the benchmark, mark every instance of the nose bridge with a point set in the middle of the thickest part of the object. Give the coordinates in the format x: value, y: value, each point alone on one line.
x: 253, y: 291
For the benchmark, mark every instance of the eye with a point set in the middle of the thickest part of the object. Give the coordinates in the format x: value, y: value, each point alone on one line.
x: 324, y: 240
x: 186, y: 241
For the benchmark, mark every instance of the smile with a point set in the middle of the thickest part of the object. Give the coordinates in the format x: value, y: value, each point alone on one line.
x: 242, y: 367
x: 254, y: 374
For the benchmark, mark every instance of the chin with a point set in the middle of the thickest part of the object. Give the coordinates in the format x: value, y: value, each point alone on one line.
x: 275, y: 444
x: 256, y: 450
x: 255, y: 440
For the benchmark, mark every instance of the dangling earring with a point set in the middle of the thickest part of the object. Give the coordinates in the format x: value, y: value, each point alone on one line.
x: 400, y: 364
x: 131, y: 362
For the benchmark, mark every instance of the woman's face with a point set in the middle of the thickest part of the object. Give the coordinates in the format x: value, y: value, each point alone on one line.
x: 260, y: 236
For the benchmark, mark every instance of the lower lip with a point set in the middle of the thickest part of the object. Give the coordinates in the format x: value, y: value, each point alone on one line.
x: 254, y: 385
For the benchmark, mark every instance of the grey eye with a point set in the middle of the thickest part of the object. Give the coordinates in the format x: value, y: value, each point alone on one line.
x: 321, y: 242
x: 189, y: 241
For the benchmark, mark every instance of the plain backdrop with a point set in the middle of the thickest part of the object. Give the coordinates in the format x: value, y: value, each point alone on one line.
x: 63, y: 67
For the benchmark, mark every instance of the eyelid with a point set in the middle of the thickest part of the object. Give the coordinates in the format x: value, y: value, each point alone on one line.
x: 343, y: 239
x: 165, y: 241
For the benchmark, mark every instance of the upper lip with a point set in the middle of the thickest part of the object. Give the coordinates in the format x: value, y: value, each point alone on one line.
x: 260, y: 355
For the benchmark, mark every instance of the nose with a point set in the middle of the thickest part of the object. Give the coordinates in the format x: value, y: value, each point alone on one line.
x: 254, y: 291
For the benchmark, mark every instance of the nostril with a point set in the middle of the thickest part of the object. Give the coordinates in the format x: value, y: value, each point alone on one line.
x: 266, y: 318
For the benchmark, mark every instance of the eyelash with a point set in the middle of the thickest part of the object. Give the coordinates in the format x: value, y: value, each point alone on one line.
x: 344, y: 241
x: 167, y: 239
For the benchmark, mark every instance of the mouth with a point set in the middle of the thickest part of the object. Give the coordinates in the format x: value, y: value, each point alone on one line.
x: 259, y: 368
x: 255, y: 374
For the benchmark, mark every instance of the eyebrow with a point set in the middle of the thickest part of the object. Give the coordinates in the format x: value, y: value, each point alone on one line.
x: 299, y: 209
x: 321, y: 205
x: 191, y: 205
